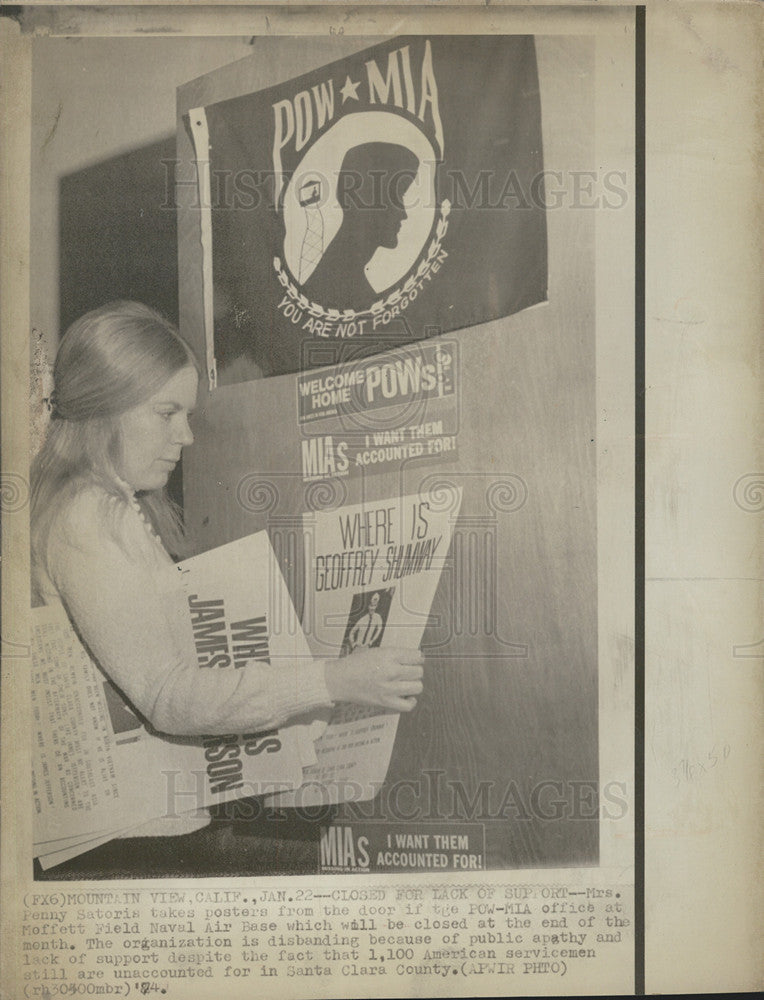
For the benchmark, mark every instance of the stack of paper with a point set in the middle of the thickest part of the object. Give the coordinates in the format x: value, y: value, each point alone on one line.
x: 99, y: 772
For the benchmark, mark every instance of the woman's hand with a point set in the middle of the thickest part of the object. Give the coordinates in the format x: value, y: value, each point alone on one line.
x: 385, y: 678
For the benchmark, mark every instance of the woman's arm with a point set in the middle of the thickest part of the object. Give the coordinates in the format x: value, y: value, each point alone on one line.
x: 120, y: 588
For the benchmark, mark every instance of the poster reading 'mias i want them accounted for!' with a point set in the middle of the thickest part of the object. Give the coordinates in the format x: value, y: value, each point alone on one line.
x: 346, y: 206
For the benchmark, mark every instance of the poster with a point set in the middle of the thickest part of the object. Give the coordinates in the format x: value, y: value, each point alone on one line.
x: 702, y: 639
x: 372, y: 577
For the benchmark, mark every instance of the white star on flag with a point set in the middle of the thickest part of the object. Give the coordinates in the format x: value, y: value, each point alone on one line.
x: 350, y: 90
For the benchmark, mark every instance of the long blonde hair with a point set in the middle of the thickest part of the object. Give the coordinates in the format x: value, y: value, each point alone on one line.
x: 110, y: 360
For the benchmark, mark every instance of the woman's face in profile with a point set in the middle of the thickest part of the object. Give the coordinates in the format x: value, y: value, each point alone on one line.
x: 154, y: 432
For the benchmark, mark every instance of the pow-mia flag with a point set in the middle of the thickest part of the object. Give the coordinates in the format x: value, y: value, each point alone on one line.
x: 390, y: 196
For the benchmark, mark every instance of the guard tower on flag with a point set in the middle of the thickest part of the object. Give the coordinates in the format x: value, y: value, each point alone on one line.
x: 313, y: 241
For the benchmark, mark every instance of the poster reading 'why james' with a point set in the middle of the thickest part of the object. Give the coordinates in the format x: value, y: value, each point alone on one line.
x: 387, y: 197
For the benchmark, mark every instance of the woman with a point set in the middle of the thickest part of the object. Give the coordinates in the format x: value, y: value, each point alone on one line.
x: 104, y: 534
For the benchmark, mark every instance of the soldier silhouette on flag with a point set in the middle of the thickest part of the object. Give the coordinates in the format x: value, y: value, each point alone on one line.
x: 372, y: 181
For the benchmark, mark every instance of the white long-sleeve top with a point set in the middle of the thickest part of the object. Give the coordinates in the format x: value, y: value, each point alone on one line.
x: 120, y: 588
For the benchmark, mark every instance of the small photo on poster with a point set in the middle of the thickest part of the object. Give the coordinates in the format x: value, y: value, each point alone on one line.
x: 367, y: 620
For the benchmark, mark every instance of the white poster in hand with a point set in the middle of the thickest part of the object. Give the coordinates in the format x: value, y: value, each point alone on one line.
x: 242, y: 584
x: 372, y: 572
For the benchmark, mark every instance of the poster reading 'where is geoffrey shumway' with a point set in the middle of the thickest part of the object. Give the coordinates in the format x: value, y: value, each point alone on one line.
x: 342, y: 209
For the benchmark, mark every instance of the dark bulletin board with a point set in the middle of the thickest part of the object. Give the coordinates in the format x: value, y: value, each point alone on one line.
x: 118, y: 238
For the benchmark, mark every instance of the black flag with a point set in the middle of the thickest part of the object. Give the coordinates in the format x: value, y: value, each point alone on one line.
x: 390, y: 196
